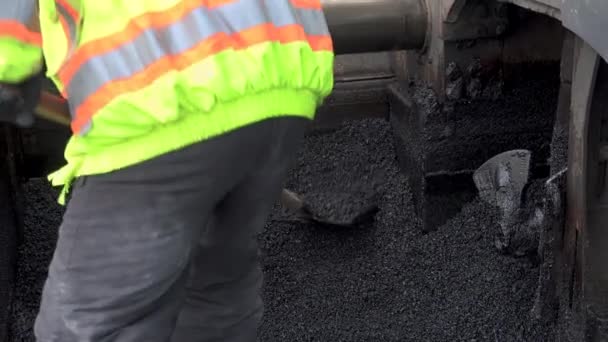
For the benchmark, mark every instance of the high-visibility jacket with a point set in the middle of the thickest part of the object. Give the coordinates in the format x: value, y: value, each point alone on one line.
x: 146, y: 77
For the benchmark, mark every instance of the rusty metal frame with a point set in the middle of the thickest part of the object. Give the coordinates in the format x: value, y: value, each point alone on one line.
x: 587, y: 236
x: 583, y: 84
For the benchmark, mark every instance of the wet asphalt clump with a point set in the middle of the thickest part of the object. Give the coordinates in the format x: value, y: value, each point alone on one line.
x: 385, y: 281
x: 389, y: 281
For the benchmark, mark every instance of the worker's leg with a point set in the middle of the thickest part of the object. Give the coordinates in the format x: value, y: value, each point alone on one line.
x: 121, y: 259
x: 223, y: 300
x: 126, y: 239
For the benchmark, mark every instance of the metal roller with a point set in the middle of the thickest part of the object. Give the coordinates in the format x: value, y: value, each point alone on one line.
x: 376, y: 25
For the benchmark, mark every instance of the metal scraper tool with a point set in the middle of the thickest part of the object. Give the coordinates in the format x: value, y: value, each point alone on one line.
x: 501, y: 181
x: 503, y: 178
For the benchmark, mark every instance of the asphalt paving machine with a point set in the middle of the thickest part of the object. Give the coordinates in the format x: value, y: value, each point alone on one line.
x: 467, y: 80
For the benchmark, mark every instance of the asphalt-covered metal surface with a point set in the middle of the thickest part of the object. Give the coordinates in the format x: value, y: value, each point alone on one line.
x: 382, y: 282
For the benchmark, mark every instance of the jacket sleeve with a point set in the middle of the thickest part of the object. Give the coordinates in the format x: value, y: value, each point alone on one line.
x: 20, y: 41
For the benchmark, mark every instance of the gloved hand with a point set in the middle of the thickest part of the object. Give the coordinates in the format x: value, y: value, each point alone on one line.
x: 17, y: 102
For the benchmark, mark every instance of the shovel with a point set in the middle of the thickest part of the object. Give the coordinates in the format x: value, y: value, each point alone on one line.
x: 338, y: 209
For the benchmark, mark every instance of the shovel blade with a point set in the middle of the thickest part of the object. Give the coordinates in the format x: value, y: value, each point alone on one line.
x: 340, y: 209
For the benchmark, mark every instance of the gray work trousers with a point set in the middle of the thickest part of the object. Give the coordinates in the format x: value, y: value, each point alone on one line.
x: 166, y: 250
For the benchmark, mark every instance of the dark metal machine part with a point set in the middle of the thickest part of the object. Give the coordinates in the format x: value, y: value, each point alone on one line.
x: 376, y: 25
x: 587, y: 199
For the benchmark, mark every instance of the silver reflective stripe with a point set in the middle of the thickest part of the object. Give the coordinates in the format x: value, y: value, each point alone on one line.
x: 20, y: 10
x: 198, y: 25
x: 65, y: 13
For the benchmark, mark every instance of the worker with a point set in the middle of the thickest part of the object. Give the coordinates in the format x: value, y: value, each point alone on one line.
x: 186, y: 115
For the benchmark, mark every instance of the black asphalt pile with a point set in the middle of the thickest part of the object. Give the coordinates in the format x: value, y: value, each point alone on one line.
x: 389, y: 282
x: 42, y: 217
x: 385, y: 282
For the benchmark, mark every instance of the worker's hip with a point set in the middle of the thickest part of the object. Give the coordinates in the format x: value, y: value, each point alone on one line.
x: 172, y: 238
x: 127, y: 138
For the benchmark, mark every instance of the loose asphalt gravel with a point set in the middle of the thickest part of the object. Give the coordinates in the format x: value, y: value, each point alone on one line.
x: 42, y: 217
x: 385, y: 281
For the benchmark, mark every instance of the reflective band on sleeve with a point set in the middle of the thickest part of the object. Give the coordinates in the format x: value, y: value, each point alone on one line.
x: 15, y: 15
x: 93, y: 78
x: 69, y: 18
x: 19, y: 31
x: 199, y: 21
x: 19, y: 10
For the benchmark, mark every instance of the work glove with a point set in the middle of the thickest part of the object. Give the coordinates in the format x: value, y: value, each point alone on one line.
x: 18, y: 102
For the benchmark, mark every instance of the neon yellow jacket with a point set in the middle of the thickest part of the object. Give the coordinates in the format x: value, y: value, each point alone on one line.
x: 147, y: 77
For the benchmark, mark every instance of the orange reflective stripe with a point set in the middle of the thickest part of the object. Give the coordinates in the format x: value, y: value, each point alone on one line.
x: 315, y: 4
x: 207, y: 47
x: 71, y: 11
x: 321, y: 43
x: 174, y: 39
x: 19, y: 31
x: 135, y: 27
x: 214, y: 3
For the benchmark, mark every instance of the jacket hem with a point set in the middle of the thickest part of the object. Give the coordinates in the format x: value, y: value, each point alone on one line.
x: 190, y: 129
